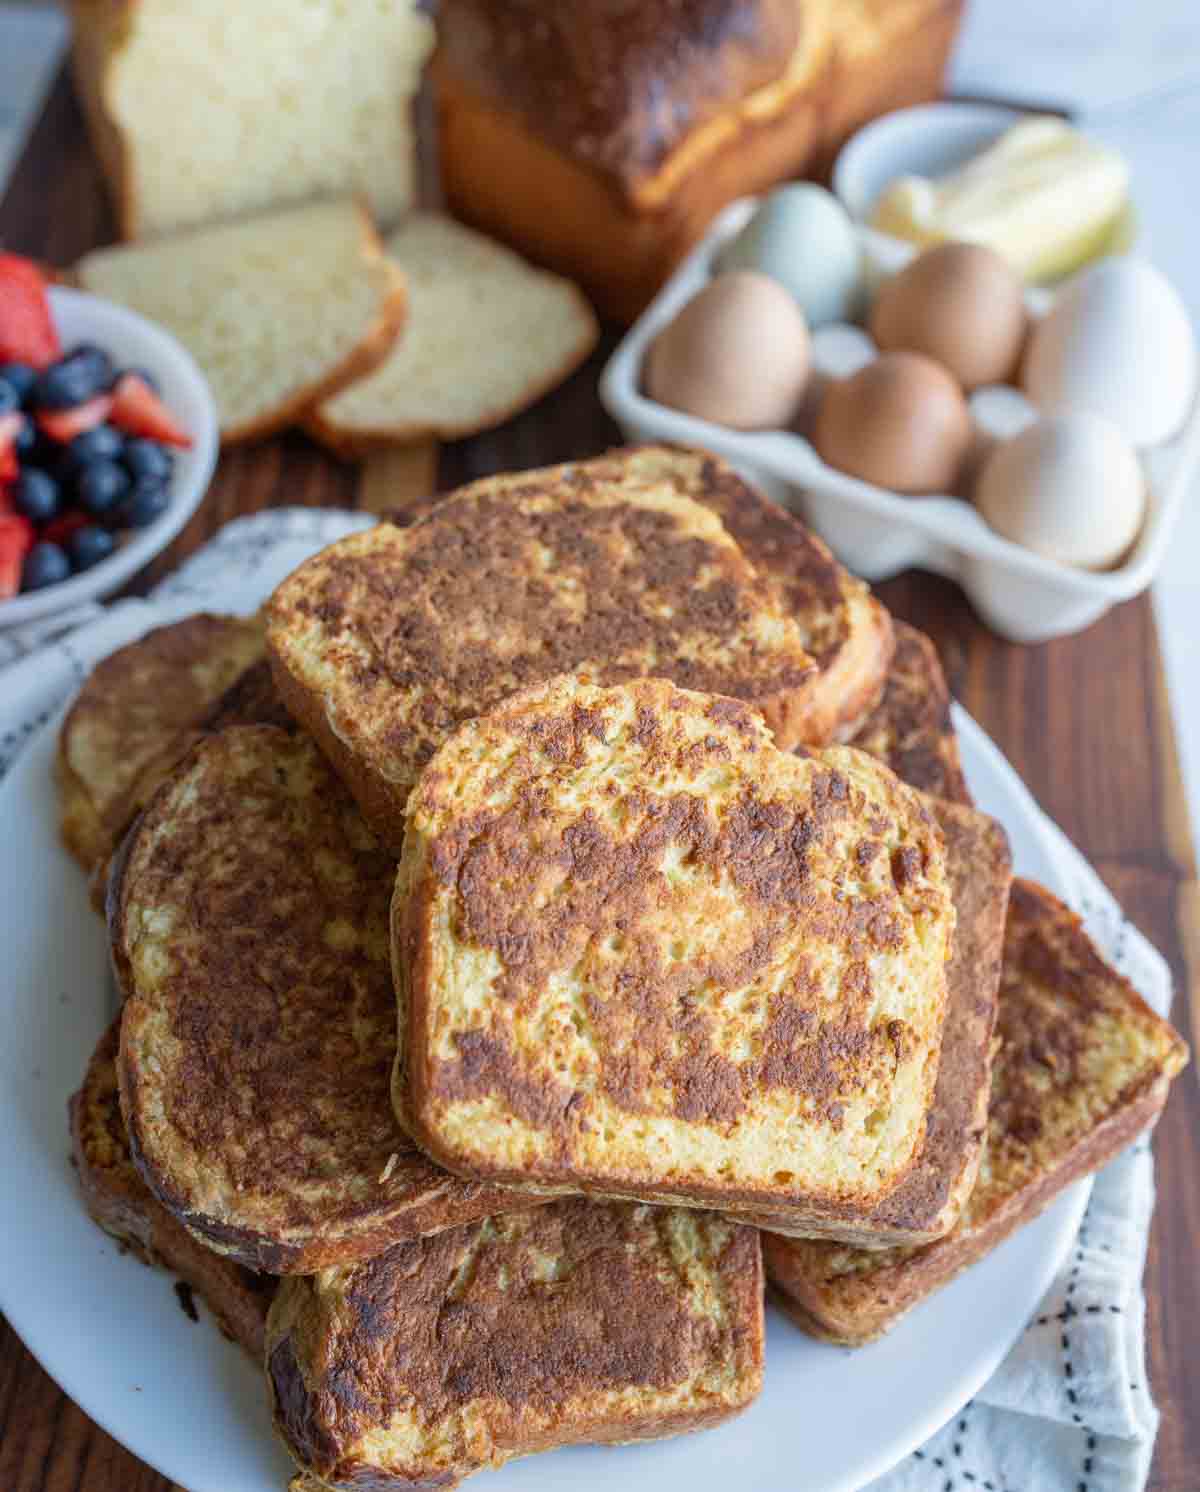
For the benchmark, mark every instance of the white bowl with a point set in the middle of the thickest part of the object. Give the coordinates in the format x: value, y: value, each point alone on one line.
x: 133, y: 342
x: 878, y: 533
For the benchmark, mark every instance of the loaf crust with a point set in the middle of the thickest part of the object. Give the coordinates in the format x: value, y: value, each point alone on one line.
x: 581, y: 1322
x: 121, y: 1203
x: 1083, y: 1067
x: 248, y: 915
x: 641, y: 952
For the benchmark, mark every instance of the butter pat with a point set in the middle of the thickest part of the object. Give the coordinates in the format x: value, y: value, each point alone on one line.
x: 1045, y: 196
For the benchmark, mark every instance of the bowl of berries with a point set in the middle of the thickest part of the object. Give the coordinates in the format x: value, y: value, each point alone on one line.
x: 108, y: 439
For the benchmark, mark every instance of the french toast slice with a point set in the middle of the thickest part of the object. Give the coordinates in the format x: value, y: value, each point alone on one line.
x: 389, y: 639
x: 640, y: 951
x: 580, y: 1322
x: 1083, y: 1067
x: 929, y: 1201
x: 910, y: 728
x: 121, y: 1203
x: 248, y: 913
x: 136, y: 706
x: 846, y: 630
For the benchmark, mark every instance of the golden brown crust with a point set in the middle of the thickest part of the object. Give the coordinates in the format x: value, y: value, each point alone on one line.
x: 374, y: 347
x: 1083, y: 1067
x: 668, y: 962
x: 98, y: 28
x: 604, y: 565
x: 248, y: 916
x: 129, y: 722
x: 582, y: 1322
x: 123, y: 1206
x: 928, y: 1203
x: 910, y: 728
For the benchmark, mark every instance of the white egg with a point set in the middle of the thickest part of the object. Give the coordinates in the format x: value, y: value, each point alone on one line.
x: 839, y: 350
x: 1069, y: 487
x: 1118, y: 343
x: 803, y: 237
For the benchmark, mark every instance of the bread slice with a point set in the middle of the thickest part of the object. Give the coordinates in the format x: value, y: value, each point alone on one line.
x: 845, y: 629
x: 131, y: 712
x: 580, y: 1322
x: 910, y: 728
x: 119, y: 1201
x: 929, y: 1201
x: 248, y: 913
x: 336, y: 83
x: 280, y: 311
x: 639, y: 951
x: 1083, y: 1067
x: 487, y: 336
x: 387, y: 640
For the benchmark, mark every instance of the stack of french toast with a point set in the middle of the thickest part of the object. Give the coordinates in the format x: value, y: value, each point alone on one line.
x: 558, y: 919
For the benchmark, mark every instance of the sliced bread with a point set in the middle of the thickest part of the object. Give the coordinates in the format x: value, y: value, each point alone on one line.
x: 284, y: 102
x: 280, y: 311
x: 640, y: 951
x: 580, y: 1322
x: 386, y: 641
x: 487, y: 335
x: 1083, y: 1067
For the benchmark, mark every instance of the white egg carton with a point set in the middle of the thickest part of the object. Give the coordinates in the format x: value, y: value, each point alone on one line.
x: 876, y: 532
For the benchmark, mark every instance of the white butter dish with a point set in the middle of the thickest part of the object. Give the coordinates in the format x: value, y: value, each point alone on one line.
x: 878, y: 533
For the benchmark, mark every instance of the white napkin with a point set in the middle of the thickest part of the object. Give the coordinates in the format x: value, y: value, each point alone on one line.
x: 1069, y: 1409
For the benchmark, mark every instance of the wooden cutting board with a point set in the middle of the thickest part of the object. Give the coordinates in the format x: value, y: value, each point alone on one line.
x: 1084, y: 721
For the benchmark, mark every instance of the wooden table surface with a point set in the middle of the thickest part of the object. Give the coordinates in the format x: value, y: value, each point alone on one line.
x: 1084, y: 721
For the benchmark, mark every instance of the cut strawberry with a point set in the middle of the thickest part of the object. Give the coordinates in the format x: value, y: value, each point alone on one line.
x: 63, y: 425
x: 8, y: 503
x: 138, y: 409
x: 59, y: 530
x: 27, y: 331
x: 16, y: 540
x: 11, y: 425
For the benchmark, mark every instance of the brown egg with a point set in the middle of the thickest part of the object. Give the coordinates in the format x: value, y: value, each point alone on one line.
x: 737, y: 354
x: 900, y: 422
x: 960, y: 304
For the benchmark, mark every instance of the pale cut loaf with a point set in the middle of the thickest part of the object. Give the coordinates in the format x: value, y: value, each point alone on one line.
x: 283, y: 102
x: 279, y: 310
x: 487, y: 336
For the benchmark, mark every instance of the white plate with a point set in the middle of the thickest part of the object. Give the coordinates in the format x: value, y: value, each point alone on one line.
x: 180, y: 1397
x: 133, y: 342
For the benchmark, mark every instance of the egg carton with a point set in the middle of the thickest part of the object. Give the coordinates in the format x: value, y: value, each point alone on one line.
x: 876, y: 532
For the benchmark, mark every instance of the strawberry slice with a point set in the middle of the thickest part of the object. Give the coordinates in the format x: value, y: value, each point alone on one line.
x: 137, y: 409
x: 64, y: 425
x: 11, y: 425
x: 16, y: 540
x: 59, y: 530
x: 27, y: 331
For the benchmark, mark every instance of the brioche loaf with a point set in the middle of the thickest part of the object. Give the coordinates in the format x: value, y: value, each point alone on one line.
x: 601, y: 139
x: 640, y: 951
x: 279, y: 311
x: 486, y: 336
x: 279, y: 102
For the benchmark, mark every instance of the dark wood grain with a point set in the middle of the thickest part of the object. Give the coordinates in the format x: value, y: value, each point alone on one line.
x: 1083, y: 720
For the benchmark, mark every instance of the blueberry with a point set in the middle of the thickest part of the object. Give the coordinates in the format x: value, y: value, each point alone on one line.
x: 21, y: 376
x: 146, y: 458
x: 148, y: 501
x: 73, y: 380
x: 26, y: 440
x: 96, y: 361
x: 101, y: 485
x: 101, y: 444
x: 45, y: 564
x: 88, y: 546
x: 9, y: 398
x: 36, y: 494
